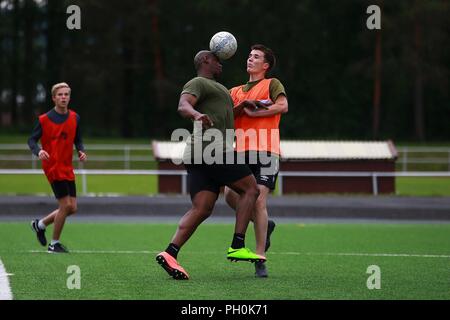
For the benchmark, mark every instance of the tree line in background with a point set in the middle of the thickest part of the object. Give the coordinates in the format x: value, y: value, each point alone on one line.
x: 129, y: 61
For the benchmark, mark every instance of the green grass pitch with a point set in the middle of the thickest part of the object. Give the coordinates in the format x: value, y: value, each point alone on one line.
x: 306, y: 261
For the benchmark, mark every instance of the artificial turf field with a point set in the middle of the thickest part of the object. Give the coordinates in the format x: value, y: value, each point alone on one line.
x: 305, y: 261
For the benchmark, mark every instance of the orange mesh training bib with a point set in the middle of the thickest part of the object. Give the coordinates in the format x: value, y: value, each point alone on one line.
x: 256, y: 134
x: 57, y: 140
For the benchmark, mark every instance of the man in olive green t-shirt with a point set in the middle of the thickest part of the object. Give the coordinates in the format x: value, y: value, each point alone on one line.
x: 208, y: 103
x: 213, y: 101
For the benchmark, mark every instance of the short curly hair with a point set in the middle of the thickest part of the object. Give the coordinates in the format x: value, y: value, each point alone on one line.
x: 269, y: 56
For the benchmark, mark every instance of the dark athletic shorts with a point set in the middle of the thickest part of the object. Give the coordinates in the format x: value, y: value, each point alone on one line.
x: 264, y: 166
x: 64, y: 188
x: 212, y: 177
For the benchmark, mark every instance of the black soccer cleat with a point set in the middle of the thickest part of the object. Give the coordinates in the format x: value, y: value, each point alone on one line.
x: 39, y: 233
x: 57, y: 248
x: 270, y: 228
x: 260, y: 270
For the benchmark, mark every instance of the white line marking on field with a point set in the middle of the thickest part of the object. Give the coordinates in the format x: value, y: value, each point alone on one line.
x: 366, y: 254
x: 271, y: 252
x: 5, y: 289
x: 101, y: 252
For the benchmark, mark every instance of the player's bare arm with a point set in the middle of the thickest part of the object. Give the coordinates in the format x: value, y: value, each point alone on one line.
x: 238, y: 110
x: 280, y: 106
x: 186, y: 110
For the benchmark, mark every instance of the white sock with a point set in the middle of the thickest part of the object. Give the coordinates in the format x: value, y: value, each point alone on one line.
x: 41, y: 225
x: 53, y: 242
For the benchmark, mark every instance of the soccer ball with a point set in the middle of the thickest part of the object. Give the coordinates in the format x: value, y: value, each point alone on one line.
x: 223, y: 44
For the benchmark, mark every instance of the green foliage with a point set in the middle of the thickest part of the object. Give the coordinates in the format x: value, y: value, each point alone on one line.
x: 130, y: 60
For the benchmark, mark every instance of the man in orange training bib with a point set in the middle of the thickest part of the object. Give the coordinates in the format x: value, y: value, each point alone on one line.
x: 58, y: 131
x: 258, y: 106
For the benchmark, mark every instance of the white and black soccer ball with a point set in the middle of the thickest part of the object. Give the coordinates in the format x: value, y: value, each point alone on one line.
x: 223, y: 44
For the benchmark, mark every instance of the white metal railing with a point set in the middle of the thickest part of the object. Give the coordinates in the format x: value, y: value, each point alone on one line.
x: 183, y: 175
x: 125, y: 156
x: 404, y: 160
x: 22, y: 146
x: 350, y: 174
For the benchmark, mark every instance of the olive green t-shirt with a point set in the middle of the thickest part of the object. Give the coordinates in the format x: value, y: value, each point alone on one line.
x: 214, y: 100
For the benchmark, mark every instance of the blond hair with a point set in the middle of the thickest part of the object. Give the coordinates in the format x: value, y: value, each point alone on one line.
x: 59, y: 86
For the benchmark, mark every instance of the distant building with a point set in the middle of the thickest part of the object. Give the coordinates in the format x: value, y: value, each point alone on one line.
x: 324, y: 166
x: 339, y: 157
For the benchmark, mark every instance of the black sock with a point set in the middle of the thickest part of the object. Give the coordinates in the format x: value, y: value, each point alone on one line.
x: 238, y: 241
x: 173, y: 250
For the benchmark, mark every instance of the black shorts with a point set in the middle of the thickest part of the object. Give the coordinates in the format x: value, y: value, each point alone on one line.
x: 264, y: 166
x: 212, y: 177
x: 64, y: 188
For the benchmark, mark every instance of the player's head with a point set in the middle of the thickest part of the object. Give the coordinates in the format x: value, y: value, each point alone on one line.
x: 58, y: 86
x: 206, y: 62
x: 260, y: 59
x: 61, y: 94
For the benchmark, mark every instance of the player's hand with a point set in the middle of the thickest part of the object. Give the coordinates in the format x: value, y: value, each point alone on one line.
x: 205, y: 119
x: 238, y: 110
x: 82, y: 156
x: 43, y: 155
x: 250, y: 104
x: 264, y: 104
x: 250, y: 113
x: 254, y: 105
